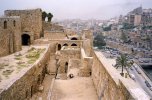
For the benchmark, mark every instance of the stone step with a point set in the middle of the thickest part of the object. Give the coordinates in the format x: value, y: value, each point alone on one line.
x: 62, y: 76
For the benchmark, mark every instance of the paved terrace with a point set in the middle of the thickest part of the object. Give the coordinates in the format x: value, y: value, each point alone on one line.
x: 14, y: 66
x: 80, y: 88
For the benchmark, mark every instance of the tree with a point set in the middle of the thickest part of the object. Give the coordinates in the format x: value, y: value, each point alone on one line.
x: 123, y: 62
x: 99, y: 41
x: 50, y: 16
x: 127, y: 26
x: 44, y: 15
x: 108, y: 28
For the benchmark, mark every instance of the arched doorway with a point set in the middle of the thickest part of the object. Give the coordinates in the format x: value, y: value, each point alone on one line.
x: 5, y: 24
x: 65, y: 44
x: 74, y: 44
x: 25, y: 39
x: 74, y: 38
x: 59, y: 46
x: 66, y: 67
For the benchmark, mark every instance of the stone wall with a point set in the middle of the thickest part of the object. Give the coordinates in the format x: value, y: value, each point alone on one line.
x: 87, y: 34
x: 57, y: 42
x: 10, y: 35
x: 54, y: 35
x: 31, y: 20
x: 87, y: 47
x: 107, y: 87
x: 110, y: 85
x: 52, y: 27
x: 69, y: 54
x: 28, y: 83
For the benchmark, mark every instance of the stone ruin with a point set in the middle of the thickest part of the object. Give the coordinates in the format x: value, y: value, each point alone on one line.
x: 66, y: 56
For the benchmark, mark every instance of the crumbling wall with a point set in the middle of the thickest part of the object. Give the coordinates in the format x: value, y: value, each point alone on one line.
x: 47, y: 26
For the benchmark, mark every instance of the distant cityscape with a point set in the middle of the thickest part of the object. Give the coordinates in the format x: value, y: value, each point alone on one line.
x: 130, y: 33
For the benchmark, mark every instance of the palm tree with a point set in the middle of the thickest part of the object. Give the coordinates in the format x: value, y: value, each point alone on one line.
x: 123, y: 62
x: 50, y: 16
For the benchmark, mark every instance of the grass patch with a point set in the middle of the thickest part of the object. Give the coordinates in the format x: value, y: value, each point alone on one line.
x: 21, y: 64
x: 7, y: 72
x: 2, y: 65
x: 31, y: 61
x: 17, y: 58
x: 34, y: 54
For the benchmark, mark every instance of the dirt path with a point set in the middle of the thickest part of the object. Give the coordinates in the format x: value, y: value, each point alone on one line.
x: 80, y: 88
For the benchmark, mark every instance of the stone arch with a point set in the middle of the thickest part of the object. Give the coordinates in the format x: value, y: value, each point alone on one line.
x: 74, y: 38
x: 66, y: 67
x: 26, y: 39
x: 59, y: 46
x: 14, y: 23
x: 73, y: 44
x: 5, y: 24
x: 65, y: 44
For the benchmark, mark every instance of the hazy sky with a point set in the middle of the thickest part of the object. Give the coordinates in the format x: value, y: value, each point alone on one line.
x: 84, y: 9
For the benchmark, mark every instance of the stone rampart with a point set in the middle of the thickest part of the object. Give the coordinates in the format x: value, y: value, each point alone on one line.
x: 110, y: 85
x: 26, y: 84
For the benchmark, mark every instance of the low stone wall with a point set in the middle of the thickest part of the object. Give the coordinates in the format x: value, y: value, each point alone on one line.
x: 27, y: 84
x: 54, y: 35
x: 110, y: 85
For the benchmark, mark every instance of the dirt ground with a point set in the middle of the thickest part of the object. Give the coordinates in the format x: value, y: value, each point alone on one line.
x: 80, y: 88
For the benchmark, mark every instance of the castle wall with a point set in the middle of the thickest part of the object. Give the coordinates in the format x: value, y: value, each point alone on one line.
x: 110, y: 85
x: 28, y: 83
x: 107, y: 87
x: 10, y: 35
x: 31, y: 20
x: 54, y: 35
x: 87, y: 47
